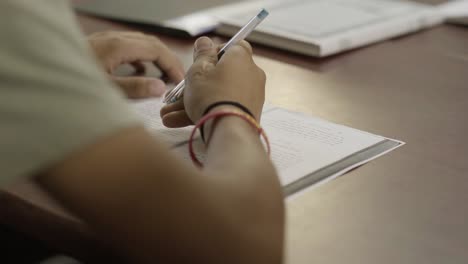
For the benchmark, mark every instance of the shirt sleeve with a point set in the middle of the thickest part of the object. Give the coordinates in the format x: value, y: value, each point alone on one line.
x: 54, y: 99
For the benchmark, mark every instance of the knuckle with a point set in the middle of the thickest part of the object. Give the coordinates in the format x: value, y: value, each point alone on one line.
x: 203, y: 55
x: 243, y: 48
x: 210, y: 60
x: 239, y: 52
x: 262, y: 74
x: 113, y: 44
x: 140, y: 88
x: 237, y: 49
x: 199, y: 69
x: 157, y: 45
x: 108, y: 36
x: 137, y: 33
x: 107, y: 33
x: 116, y: 40
x: 246, y: 45
x: 195, y: 72
x: 154, y: 38
x: 135, y: 87
x: 156, y: 42
x: 100, y: 34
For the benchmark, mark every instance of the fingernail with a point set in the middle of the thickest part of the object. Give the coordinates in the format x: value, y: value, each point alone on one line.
x: 203, y: 43
x: 157, y: 88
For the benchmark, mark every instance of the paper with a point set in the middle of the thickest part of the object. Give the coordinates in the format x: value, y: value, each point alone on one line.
x: 148, y: 110
x: 300, y: 144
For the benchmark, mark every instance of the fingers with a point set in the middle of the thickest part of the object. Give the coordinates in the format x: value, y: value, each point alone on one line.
x: 129, y: 47
x: 204, y: 58
x: 176, y: 119
x: 176, y: 106
x: 140, y: 87
x: 242, y: 49
x: 205, y: 50
x: 174, y: 115
x: 244, y: 44
x: 238, y: 54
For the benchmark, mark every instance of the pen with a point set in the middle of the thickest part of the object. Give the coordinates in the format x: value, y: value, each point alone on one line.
x: 176, y: 93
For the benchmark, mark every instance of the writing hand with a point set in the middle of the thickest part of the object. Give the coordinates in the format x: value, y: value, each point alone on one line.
x: 235, y: 77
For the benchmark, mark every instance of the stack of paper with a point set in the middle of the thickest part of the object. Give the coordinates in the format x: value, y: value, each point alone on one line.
x: 325, y: 27
x: 455, y: 11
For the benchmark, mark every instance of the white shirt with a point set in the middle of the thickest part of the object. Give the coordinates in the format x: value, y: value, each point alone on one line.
x: 54, y: 99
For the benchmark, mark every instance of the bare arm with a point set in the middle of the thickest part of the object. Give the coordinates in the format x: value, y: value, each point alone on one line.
x: 135, y: 193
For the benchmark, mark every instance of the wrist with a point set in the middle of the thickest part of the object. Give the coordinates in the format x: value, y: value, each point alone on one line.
x: 224, y: 104
x: 232, y: 126
x: 232, y: 121
x: 224, y: 107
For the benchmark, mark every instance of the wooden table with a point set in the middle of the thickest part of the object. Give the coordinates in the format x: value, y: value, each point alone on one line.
x: 406, y: 207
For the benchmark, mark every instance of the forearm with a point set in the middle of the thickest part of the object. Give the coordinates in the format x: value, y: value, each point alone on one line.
x: 150, y: 206
x: 236, y: 152
x: 238, y: 160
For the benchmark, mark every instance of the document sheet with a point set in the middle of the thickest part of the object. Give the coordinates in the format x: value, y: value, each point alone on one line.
x: 300, y: 144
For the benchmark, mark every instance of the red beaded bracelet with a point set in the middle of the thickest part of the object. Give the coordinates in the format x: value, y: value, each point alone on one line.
x: 215, y: 115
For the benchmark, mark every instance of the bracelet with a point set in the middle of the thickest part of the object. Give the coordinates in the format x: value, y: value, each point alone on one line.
x: 215, y: 104
x: 236, y: 104
x: 215, y: 115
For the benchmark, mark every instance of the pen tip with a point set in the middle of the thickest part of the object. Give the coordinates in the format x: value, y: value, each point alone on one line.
x: 263, y: 13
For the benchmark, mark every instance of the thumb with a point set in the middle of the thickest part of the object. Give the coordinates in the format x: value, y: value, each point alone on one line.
x: 205, y: 51
x: 140, y: 87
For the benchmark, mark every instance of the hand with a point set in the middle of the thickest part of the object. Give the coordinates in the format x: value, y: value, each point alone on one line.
x: 116, y: 48
x: 235, y: 77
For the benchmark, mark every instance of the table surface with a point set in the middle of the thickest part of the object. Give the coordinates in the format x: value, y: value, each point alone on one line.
x: 405, y: 207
